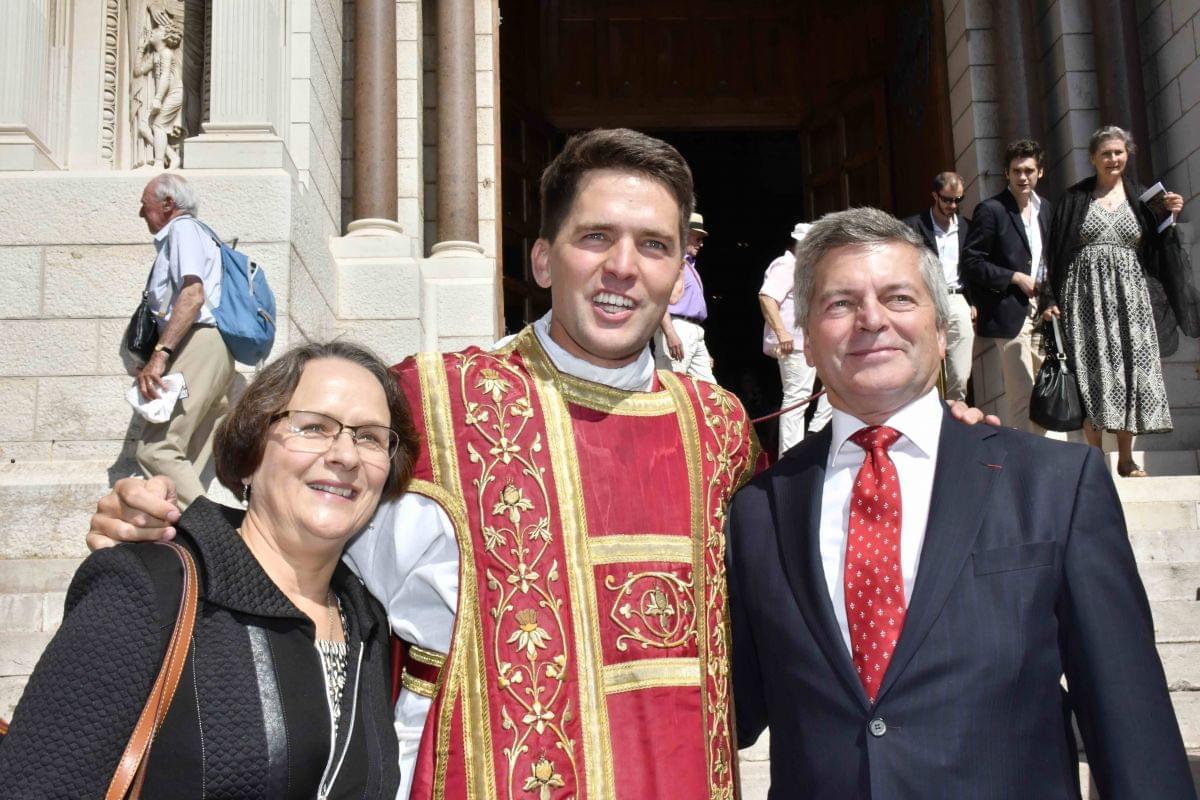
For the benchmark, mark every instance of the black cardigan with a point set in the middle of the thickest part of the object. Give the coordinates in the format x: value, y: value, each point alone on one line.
x: 250, y: 717
x: 1165, y: 264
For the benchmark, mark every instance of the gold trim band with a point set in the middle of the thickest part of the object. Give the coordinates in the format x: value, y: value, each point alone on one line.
x: 430, y: 658
x: 640, y: 547
x: 417, y: 685
x: 651, y: 673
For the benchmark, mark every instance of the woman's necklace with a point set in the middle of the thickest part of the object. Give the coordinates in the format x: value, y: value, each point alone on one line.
x: 1112, y: 197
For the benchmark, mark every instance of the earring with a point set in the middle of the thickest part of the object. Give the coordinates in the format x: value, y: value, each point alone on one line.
x: 245, y: 494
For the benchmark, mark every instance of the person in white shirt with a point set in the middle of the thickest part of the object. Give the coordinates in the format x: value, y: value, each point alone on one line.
x: 1003, y: 261
x: 184, y: 287
x: 918, y: 606
x: 945, y: 233
x: 784, y: 342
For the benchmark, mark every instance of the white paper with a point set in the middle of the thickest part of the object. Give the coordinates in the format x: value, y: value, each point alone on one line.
x: 158, y: 409
x: 1155, y: 197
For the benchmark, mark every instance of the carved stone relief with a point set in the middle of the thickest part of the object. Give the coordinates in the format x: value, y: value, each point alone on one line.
x: 155, y: 30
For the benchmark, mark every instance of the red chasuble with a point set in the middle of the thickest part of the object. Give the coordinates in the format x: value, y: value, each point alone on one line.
x: 590, y: 654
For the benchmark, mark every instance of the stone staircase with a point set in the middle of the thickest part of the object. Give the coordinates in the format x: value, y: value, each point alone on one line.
x: 1163, y: 516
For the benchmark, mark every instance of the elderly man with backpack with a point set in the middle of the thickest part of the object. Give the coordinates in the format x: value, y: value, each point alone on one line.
x: 202, y: 295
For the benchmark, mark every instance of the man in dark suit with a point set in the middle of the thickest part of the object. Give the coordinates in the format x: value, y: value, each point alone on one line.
x: 1003, y: 260
x: 945, y: 234
x: 906, y: 592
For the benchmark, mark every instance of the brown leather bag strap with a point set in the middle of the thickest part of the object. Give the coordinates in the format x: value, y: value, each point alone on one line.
x: 131, y: 769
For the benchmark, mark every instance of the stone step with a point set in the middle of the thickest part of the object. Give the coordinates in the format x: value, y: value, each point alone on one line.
x: 1176, y: 620
x: 1161, y: 462
x: 1181, y: 663
x: 1156, y: 546
x: 1171, y: 581
x: 1169, y: 488
x: 1162, y: 515
x: 1187, y: 711
x: 47, y: 507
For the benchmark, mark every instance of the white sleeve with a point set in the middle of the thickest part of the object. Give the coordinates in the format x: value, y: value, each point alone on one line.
x: 408, y: 558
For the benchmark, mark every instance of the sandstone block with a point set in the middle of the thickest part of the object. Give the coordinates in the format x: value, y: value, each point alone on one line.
x: 1187, y: 711
x: 379, y: 289
x: 95, y: 281
x: 18, y: 399
x: 1165, y: 546
x: 1176, y: 54
x: 20, y: 282
x: 38, y: 575
x: 36, y: 347
x: 20, y: 651
x: 48, y: 517
x: 1178, y: 581
x: 1176, y: 620
x: 19, y: 452
x: 1181, y: 662
x: 20, y: 612
x: 1160, y: 515
x: 52, y: 610
x: 392, y: 340
x: 10, y: 693
x: 83, y: 408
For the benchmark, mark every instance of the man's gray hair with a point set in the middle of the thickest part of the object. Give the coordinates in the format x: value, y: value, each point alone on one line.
x: 178, y: 189
x: 864, y: 227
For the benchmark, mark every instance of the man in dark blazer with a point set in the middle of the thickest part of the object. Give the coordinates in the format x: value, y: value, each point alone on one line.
x: 906, y: 592
x: 1003, y: 260
x: 945, y: 233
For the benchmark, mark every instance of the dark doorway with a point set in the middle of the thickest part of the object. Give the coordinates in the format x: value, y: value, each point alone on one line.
x: 749, y: 190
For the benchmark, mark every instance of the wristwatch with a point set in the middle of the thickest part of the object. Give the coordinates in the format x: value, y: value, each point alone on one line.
x: 162, y: 348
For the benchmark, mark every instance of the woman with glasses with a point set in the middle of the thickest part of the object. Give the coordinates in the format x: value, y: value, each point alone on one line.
x: 1106, y: 277
x: 286, y: 688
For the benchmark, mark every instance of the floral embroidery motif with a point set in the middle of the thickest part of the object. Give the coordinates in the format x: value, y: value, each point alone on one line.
x: 653, y: 609
x: 526, y: 598
x: 544, y: 778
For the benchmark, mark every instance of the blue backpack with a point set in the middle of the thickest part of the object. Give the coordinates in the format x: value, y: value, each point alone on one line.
x: 246, y: 314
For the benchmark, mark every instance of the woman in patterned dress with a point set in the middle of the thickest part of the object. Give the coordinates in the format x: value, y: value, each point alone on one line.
x: 1102, y: 270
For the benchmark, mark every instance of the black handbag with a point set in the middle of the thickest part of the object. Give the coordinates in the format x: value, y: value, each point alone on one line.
x: 1055, y: 403
x: 141, y: 334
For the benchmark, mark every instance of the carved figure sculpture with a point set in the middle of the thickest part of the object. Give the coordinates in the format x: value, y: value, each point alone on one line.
x: 156, y: 92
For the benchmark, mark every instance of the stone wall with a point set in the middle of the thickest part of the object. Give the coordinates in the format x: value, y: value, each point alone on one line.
x: 1170, y: 49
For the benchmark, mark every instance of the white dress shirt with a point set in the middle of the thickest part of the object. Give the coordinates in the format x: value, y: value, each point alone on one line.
x: 183, y: 248
x: 947, y: 248
x: 408, y: 556
x: 1033, y: 234
x: 915, y: 457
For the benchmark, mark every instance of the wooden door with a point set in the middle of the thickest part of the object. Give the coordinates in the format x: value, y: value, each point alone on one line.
x: 845, y: 155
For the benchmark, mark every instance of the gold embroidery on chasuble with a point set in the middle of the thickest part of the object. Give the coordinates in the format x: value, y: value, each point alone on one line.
x: 559, y: 612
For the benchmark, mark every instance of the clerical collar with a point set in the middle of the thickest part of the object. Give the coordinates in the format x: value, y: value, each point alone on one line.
x: 636, y: 376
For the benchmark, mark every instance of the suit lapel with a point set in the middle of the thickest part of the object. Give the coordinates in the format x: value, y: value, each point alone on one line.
x: 962, y: 483
x: 927, y: 229
x: 796, y: 502
x: 1014, y: 214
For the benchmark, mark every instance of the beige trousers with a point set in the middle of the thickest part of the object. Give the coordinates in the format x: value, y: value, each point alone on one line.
x: 960, y: 346
x: 181, y: 447
x: 1020, y: 360
x: 696, y: 360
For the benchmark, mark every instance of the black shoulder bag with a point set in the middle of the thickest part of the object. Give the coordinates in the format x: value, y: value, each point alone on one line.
x: 1055, y: 403
x: 141, y: 334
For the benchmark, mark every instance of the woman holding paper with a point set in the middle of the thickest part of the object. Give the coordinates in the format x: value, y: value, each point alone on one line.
x: 1103, y: 278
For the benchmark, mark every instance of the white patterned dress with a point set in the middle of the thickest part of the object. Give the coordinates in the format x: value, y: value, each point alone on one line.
x: 1109, y: 326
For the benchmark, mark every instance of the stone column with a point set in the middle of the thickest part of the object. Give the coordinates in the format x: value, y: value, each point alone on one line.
x: 1119, y: 76
x: 375, y: 110
x: 247, y: 121
x: 458, y: 178
x: 32, y: 47
x: 1016, y: 80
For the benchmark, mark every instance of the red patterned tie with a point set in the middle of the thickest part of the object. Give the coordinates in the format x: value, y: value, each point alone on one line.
x: 874, y: 581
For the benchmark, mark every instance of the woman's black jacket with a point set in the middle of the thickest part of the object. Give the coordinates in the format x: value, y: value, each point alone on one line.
x: 250, y: 718
x: 1164, y: 261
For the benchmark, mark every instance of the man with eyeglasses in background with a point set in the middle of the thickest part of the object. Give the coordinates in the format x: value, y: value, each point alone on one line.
x: 945, y: 234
